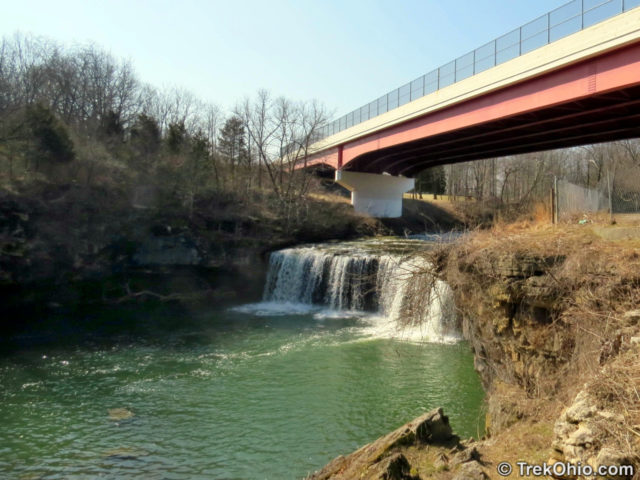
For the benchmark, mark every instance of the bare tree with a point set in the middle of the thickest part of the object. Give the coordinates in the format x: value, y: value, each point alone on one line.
x: 281, y: 133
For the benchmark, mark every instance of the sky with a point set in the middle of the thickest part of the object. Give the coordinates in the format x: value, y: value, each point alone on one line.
x: 343, y: 53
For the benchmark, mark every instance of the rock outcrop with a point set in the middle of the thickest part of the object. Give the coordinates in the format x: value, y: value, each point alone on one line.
x: 546, y: 314
x: 508, y: 301
x: 589, y: 432
x: 387, y: 457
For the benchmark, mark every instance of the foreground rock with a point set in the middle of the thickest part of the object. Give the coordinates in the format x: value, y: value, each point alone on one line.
x: 387, y: 457
x: 599, y: 428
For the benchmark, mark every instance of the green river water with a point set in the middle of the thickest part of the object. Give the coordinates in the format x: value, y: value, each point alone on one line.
x: 218, y: 394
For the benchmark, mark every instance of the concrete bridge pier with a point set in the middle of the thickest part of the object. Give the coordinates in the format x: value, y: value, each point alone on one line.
x: 375, y: 195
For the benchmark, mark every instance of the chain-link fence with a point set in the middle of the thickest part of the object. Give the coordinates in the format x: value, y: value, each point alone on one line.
x: 625, y: 201
x: 573, y: 202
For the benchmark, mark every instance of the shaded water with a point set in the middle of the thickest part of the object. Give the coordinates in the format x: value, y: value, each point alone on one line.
x: 222, y: 394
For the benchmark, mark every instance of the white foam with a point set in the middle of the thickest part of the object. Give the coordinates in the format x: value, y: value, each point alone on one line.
x: 276, y: 309
x: 338, y: 281
x: 330, y: 314
x: 381, y: 327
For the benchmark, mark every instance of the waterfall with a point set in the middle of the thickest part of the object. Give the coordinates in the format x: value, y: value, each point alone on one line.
x: 398, y: 288
x: 313, y: 276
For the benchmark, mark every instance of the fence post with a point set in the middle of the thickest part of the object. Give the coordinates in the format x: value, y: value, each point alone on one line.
x: 610, y: 200
x: 554, y: 201
x: 520, y: 42
x: 551, y: 204
x: 474, y: 62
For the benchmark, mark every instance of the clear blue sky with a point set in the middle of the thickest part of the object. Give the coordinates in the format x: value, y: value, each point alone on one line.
x: 340, y: 52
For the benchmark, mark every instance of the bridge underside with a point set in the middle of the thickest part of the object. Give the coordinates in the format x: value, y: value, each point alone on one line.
x: 595, y: 100
x: 601, y: 118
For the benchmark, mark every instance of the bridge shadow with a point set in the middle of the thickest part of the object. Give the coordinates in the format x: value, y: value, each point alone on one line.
x: 420, y: 216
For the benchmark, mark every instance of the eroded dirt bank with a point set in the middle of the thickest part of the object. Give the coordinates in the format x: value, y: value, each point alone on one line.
x: 552, y: 315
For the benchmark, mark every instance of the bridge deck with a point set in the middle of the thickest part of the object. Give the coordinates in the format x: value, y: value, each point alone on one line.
x: 580, y: 89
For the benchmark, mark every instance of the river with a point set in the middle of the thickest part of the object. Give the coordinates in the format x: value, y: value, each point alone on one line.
x: 261, y: 391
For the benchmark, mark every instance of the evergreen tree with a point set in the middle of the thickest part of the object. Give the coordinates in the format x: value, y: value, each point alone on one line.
x: 49, y: 138
x: 112, y: 126
x: 145, y: 135
x: 432, y: 180
x: 177, y: 137
x: 232, y: 142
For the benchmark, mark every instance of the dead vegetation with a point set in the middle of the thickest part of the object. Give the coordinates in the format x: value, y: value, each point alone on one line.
x: 616, y: 389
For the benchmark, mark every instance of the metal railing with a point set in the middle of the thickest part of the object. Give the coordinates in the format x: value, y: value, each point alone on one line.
x: 561, y: 22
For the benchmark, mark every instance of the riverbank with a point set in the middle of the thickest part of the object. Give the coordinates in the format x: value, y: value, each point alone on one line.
x: 66, y: 246
x: 551, y: 316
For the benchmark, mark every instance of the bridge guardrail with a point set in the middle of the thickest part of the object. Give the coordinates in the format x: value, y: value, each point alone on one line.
x: 554, y: 25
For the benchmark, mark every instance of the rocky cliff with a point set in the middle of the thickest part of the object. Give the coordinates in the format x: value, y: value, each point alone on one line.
x: 63, y: 246
x: 551, y: 316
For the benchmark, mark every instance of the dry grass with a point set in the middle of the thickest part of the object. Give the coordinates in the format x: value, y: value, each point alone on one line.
x: 541, y: 213
x: 526, y: 441
x: 600, y: 278
x: 330, y: 198
x: 617, y: 389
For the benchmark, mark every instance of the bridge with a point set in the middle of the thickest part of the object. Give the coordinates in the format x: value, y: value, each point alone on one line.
x: 568, y: 78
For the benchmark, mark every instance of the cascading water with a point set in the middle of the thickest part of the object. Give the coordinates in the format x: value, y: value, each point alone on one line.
x: 315, y: 276
x: 392, y: 285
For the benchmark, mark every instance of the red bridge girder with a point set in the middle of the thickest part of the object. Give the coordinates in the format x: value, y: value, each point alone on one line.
x: 595, y: 100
